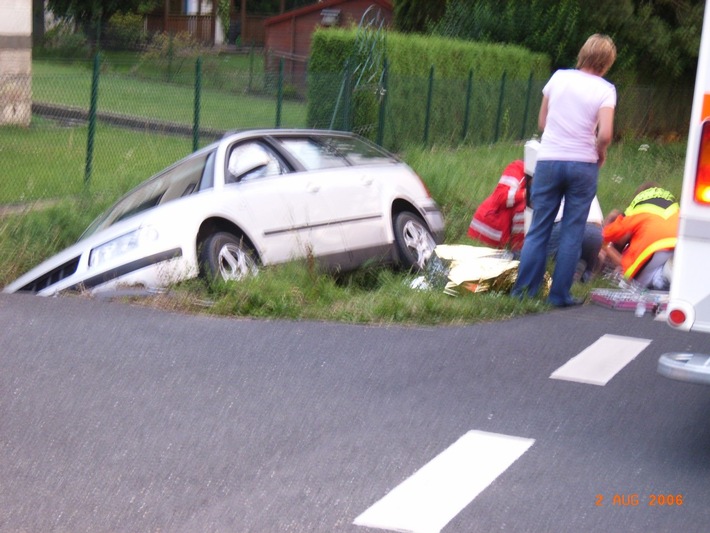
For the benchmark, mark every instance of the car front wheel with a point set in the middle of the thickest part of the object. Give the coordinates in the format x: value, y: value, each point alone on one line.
x: 414, y: 241
x: 224, y: 256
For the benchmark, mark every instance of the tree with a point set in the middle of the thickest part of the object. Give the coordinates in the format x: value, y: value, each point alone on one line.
x: 87, y: 13
x: 659, y: 39
x: 417, y: 15
x: 549, y: 26
x: 655, y: 39
x: 37, y: 21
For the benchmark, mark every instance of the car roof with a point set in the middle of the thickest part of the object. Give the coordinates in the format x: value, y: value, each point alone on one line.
x: 288, y: 132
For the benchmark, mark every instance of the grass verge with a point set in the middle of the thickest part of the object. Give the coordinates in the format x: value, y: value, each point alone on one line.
x: 458, y: 178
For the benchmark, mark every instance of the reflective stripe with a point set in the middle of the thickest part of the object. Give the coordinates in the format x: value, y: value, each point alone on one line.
x: 663, y: 244
x: 510, y: 201
x: 654, y: 195
x: 509, y: 181
x: 651, y: 209
x: 513, y: 185
x: 486, y: 230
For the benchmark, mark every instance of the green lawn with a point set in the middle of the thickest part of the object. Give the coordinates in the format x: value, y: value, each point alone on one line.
x: 226, y: 108
x: 47, y: 161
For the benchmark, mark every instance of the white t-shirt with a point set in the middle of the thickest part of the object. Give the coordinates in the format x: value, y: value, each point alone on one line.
x: 595, y: 212
x: 574, y: 100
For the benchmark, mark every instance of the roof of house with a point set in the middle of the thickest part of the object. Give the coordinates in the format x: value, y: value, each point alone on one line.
x: 325, y: 4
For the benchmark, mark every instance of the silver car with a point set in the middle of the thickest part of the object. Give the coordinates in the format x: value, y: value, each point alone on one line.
x: 253, y: 198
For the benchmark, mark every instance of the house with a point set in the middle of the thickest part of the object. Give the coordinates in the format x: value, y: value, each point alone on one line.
x: 200, y: 19
x: 287, y: 36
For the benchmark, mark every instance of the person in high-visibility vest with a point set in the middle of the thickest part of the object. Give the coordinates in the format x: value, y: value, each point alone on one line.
x: 646, y: 234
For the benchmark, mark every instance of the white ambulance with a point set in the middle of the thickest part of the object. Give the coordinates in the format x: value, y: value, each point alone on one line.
x: 689, y: 303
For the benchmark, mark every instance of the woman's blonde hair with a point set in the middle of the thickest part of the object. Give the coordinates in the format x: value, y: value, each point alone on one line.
x: 597, y: 54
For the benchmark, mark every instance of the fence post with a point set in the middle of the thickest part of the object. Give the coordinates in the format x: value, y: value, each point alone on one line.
x: 428, y: 105
x: 196, y: 116
x: 171, y: 53
x: 500, y: 106
x: 251, y: 66
x: 527, y: 106
x: 347, y: 96
x: 279, y: 92
x: 467, y: 109
x: 383, y: 101
x: 92, y: 120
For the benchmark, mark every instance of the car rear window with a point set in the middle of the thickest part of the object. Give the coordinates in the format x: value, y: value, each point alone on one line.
x: 313, y: 155
x: 358, y: 151
x: 321, y: 152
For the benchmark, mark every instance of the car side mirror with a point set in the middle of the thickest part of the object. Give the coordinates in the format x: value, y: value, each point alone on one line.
x: 242, y: 163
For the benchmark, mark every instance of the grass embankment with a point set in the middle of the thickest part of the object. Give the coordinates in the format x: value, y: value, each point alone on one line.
x: 458, y: 178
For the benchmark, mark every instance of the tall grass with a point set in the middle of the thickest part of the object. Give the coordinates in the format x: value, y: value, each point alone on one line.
x: 462, y: 178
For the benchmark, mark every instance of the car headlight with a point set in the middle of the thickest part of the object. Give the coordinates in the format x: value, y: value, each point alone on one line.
x: 122, y: 245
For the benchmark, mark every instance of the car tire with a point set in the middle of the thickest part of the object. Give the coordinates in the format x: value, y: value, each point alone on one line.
x: 227, y: 257
x: 414, y: 241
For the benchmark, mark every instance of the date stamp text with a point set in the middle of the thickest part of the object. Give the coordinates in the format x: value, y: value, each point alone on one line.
x: 636, y: 500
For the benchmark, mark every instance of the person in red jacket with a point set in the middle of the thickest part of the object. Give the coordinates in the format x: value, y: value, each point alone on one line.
x: 646, y: 233
x: 499, y: 220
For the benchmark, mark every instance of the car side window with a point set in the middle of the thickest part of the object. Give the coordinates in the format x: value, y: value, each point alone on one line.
x: 252, y: 160
x: 313, y: 155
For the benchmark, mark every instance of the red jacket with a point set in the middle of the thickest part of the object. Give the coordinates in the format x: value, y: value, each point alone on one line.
x: 499, y: 220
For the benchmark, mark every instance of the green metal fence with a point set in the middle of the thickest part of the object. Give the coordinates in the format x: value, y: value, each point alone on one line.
x: 101, y: 128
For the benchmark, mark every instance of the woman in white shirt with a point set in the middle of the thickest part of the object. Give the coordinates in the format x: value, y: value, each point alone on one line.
x: 577, y: 119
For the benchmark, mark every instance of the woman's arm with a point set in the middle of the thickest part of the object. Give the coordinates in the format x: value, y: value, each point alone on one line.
x: 542, y: 117
x: 605, y: 132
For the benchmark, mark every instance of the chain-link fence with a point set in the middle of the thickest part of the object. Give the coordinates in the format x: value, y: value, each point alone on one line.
x: 101, y: 128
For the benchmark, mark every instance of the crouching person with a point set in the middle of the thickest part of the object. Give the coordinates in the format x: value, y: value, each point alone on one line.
x: 645, y: 234
x: 590, y: 261
x: 499, y: 220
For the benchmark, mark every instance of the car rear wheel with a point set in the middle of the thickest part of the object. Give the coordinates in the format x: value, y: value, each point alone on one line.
x: 227, y: 257
x: 414, y: 241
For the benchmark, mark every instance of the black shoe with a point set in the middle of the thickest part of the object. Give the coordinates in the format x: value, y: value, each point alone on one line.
x: 570, y: 303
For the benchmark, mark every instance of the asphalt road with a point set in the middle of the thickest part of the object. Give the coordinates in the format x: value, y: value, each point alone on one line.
x: 117, y: 418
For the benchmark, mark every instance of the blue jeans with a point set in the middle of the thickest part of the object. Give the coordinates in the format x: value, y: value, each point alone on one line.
x: 553, y: 180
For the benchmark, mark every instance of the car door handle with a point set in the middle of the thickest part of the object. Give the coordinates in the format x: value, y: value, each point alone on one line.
x: 313, y: 187
x: 366, y: 181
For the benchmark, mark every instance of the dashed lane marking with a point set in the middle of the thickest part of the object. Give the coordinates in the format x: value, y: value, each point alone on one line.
x: 436, y: 493
x: 601, y: 361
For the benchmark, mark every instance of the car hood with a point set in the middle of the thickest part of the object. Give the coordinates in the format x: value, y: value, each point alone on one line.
x: 175, y: 222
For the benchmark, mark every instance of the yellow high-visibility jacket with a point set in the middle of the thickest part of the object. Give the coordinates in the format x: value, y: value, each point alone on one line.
x: 650, y: 222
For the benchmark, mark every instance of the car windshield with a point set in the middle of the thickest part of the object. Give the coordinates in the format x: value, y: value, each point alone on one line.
x: 187, y: 177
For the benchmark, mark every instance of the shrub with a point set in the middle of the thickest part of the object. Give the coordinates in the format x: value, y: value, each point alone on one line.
x: 170, y: 57
x: 125, y: 31
x: 62, y: 40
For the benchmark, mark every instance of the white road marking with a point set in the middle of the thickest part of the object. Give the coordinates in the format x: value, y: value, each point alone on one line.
x: 601, y: 361
x: 432, y: 496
